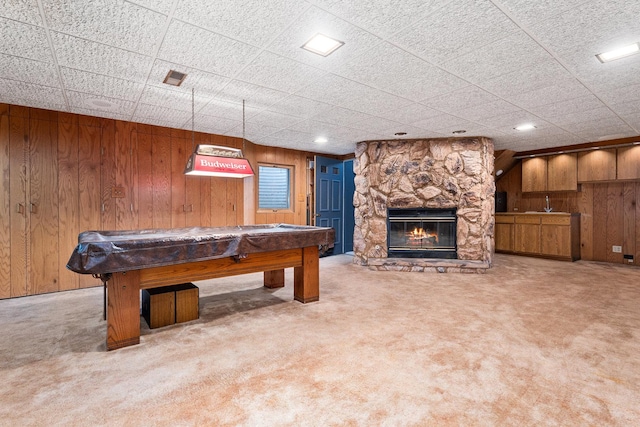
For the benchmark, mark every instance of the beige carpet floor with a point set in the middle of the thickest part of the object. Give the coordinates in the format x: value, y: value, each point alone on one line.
x: 532, y: 342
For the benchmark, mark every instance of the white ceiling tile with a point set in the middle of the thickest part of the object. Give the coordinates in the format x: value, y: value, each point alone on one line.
x: 23, y: 11
x: 162, y: 6
x: 626, y: 108
x: 621, y: 94
x: 500, y: 57
x: 488, y: 110
x: 12, y: 89
x: 381, y: 17
x: 374, y: 102
x: 558, y: 93
x: 195, y: 47
x: 253, y: 131
x: 28, y: 70
x: 431, y: 84
x: 217, y: 125
x: 357, y: 41
x: 24, y: 40
x: 301, y: 107
x: 98, y: 84
x: 273, y: 71
x: 444, y: 123
x: 113, y: 22
x: 460, y: 28
x: 594, y: 23
x: 552, y: 111
x: 542, y: 74
x: 412, y: 113
x: 341, y: 116
x: 100, y: 113
x: 563, y: 120
x: 379, y: 125
x: 633, y: 120
x: 224, y: 109
x: 528, y: 11
x: 73, y: 52
x: 258, y: 97
x: 165, y: 114
x: 101, y: 103
x: 384, y: 64
x: 174, y: 97
x: 460, y: 99
x: 251, y: 21
x: 606, y: 133
x: 294, y: 137
x: 270, y: 118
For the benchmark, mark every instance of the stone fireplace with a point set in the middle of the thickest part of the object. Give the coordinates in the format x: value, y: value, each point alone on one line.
x: 447, y: 175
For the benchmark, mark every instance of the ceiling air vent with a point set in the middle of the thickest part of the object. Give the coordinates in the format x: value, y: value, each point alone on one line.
x: 174, y: 78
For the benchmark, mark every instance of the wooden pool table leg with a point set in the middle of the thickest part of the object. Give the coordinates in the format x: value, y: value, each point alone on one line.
x: 274, y: 278
x: 306, y: 278
x: 123, y: 310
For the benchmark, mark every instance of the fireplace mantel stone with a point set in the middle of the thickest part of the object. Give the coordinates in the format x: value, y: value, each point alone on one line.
x: 431, y: 173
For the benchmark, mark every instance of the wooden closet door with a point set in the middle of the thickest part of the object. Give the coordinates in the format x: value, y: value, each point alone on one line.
x: 42, y: 206
x: 18, y: 213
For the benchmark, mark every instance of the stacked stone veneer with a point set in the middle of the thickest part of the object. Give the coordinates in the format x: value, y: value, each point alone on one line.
x: 429, y: 173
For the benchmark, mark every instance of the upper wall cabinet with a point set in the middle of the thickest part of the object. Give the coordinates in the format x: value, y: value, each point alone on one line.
x: 597, y: 165
x: 534, y: 174
x: 562, y: 172
x: 629, y: 162
x: 552, y: 173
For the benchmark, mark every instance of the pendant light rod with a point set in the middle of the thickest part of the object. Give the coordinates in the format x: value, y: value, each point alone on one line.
x: 193, y: 127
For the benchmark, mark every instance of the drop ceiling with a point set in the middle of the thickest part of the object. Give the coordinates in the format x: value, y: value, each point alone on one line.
x: 424, y: 67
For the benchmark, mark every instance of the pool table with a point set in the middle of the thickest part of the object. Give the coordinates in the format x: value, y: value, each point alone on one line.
x: 130, y: 260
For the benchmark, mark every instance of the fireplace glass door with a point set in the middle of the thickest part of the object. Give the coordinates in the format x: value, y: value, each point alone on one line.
x: 421, y: 233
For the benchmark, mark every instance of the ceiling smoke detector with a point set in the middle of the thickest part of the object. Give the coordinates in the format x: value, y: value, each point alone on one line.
x: 174, y: 78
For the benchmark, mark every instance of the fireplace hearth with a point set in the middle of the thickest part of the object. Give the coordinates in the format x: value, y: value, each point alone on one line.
x: 421, y: 233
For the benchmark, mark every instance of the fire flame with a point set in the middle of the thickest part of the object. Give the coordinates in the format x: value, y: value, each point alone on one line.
x: 419, y: 234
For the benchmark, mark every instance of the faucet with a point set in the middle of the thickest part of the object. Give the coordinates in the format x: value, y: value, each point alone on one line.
x: 547, y: 209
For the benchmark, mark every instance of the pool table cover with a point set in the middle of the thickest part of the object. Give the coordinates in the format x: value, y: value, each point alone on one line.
x: 100, y: 252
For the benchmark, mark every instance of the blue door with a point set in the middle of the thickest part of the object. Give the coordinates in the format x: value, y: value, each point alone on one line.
x: 329, y: 197
x: 348, y: 223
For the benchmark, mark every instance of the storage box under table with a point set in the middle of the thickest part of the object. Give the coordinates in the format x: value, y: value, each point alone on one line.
x: 167, y: 305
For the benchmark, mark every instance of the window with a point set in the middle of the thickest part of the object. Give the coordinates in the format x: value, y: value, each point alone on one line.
x: 274, y: 187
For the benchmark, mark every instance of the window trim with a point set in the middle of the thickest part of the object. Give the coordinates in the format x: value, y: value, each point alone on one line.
x: 292, y: 180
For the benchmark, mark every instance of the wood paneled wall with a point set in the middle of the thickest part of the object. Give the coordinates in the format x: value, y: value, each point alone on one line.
x: 65, y: 173
x: 610, y: 214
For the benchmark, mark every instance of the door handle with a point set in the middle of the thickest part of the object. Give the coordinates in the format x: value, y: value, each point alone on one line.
x: 20, y: 208
x: 33, y: 208
x: 317, y: 215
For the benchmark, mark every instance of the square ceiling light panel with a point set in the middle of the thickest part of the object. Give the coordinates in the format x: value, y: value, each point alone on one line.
x: 619, y: 53
x: 322, y: 45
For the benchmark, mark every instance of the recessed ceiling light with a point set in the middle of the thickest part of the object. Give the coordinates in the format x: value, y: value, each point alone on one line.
x: 400, y: 133
x: 457, y: 132
x: 527, y: 126
x: 619, y: 53
x: 320, y: 140
x: 322, y: 45
x: 174, y: 78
